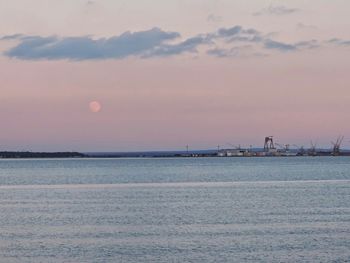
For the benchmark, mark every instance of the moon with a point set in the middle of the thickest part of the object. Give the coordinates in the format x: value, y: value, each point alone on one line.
x: 95, y: 106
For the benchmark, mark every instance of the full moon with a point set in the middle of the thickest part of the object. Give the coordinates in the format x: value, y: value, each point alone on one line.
x: 95, y: 106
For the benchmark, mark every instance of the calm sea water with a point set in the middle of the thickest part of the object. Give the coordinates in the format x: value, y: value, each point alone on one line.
x: 175, y: 210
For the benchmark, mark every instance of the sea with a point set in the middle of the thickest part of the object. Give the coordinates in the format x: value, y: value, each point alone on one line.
x: 294, y: 209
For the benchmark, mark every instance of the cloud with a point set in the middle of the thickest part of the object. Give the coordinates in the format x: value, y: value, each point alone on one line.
x: 189, y: 45
x: 339, y: 42
x: 304, y: 26
x: 307, y: 44
x: 10, y: 37
x: 239, y: 51
x: 223, y: 42
x: 239, y: 34
x: 271, y: 44
x: 276, y: 10
x: 82, y: 48
x: 287, y: 47
x: 236, y: 34
x: 229, y: 32
x: 221, y: 52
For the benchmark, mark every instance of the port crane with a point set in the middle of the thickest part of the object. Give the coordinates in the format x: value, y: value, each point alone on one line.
x: 313, y: 150
x: 268, y: 145
x: 336, y: 146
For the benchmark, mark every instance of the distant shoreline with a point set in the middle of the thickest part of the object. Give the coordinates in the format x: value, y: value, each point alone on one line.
x: 157, y: 154
x: 39, y: 155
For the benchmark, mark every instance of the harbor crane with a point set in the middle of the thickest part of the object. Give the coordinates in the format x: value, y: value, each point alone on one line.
x: 336, y: 146
x: 268, y: 145
x: 313, y: 150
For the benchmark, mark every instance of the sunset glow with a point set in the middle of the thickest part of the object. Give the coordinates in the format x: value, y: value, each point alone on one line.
x: 172, y: 73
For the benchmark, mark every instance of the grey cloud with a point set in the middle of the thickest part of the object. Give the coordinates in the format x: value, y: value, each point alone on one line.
x: 10, y: 37
x: 271, y: 44
x: 334, y: 40
x: 304, y: 26
x: 239, y: 51
x: 247, y: 38
x: 238, y: 33
x: 218, y: 52
x: 285, y: 47
x: 345, y: 42
x: 82, y: 48
x: 189, y: 45
x: 229, y: 32
x: 228, y: 42
x: 276, y: 10
x: 339, y: 42
x: 307, y: 44
x: 224, y: 53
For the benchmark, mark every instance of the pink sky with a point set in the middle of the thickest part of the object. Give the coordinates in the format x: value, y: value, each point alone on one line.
x: 152, y: 102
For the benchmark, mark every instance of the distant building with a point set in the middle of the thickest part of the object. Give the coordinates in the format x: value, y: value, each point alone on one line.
x: 231, y: 153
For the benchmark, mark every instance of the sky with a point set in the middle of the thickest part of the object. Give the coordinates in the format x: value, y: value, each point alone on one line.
x: 166, y: 74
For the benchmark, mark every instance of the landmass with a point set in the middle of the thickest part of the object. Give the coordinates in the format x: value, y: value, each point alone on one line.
x: 14, y: 155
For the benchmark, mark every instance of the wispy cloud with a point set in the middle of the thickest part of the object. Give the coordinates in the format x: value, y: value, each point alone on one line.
x: 339, y: 42
x: 189, y: 45
x: 276, y: 10
x: 271, y: 44
x: 224, y: 42
x: 308, y: 44
x: 305, y: 26
x: 234, y: 52
x: 10, y: 37
x: 287, y: 47
x: 221, y: 52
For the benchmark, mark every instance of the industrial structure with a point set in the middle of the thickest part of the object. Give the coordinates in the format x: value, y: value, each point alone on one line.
x: 270, y: 149
x: 336, y: 146
x: 312, y: 151
x: 269, y: 145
